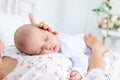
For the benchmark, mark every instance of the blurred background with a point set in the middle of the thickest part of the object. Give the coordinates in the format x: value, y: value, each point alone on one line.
x: 64, y: 16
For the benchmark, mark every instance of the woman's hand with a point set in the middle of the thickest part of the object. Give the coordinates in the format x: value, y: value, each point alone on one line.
x: 96, y: 60
x: 93, y: 43
x: 41, y: 25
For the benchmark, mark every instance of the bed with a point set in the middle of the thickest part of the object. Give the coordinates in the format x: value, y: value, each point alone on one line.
x: 57, y: 67
x: 11, y: 19
x: 12, y: 15
x: 38, y: 67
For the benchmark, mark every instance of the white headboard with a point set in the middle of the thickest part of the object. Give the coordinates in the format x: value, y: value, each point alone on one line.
x: 13, y: 13
x: 16, y: 6
x: 59, y: 14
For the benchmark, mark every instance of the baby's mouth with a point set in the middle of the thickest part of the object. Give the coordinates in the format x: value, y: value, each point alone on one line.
x: 55, y: 48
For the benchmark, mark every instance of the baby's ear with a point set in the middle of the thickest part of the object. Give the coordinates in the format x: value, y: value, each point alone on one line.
x: 55, y: 33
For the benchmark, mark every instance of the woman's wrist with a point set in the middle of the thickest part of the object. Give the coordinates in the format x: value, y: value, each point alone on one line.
x: 97, y: 58
x: 0, y: 60
x: 96, y: 48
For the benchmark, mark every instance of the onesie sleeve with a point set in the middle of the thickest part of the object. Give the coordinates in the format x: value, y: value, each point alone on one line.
x: 80, y: 64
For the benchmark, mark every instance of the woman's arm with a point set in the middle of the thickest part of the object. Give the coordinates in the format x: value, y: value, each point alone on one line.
x: 0, y: 61
x: 96, y: 60
x: 1, y: 48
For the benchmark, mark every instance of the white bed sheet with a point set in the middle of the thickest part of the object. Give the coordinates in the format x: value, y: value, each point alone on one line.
x: 8, y: 24
x: 53, y: 66
x: 57, y: 67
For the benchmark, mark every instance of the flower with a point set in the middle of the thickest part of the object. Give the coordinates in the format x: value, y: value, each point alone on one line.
x: 109, y: 21
x: 110, y: 24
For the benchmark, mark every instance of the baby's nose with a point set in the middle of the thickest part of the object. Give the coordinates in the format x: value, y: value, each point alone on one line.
x: 48, y: 47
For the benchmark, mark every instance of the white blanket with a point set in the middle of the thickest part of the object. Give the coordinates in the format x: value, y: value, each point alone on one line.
x: 57, y: 67
x: 41, y: 67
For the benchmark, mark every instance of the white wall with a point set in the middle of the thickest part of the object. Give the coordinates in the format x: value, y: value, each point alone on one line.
x: 65, y: 15
x: 69, y: 16
x: 92, y: 19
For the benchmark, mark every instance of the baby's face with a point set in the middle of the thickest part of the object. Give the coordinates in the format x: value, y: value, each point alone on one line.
x: 42, y: 42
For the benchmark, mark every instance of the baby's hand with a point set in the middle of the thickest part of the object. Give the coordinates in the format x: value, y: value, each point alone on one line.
x: 41, y: 25
x: 75, y: 75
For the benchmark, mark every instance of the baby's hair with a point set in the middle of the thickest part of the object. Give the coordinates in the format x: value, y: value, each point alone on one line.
x: 22, y: 34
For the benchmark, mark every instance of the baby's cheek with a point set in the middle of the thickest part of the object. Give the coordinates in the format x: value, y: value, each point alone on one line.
x: 46, y: 52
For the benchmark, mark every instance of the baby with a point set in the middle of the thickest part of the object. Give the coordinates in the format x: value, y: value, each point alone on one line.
x: 33, y: 40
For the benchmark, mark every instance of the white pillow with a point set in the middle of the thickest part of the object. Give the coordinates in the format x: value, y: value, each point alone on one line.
x: 8, y: 26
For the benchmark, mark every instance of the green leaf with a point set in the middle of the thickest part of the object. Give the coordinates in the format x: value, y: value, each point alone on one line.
x: 110, y: 7
x: 110, y: 16
x: 116, y: 26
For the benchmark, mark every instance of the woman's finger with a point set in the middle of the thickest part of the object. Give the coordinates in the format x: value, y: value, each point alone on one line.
x: 44, y: 26
x: 32, y: 20
x: 55, y: 33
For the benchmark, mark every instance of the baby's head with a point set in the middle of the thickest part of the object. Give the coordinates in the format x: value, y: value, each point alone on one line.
x: 33, y: 40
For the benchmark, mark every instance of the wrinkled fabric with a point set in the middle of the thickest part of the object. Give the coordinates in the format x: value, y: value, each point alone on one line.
x: 57, y: 67
x: 40, y: 67
x: 112, y: 72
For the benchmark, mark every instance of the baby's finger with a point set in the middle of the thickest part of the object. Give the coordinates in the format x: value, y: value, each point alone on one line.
x: 72, y: 78
x: 72, y: 74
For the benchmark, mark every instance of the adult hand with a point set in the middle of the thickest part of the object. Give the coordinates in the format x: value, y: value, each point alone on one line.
x: 96, y: 60
x: 41, y: 25
x: 91, y: 41
x: 95, y: 44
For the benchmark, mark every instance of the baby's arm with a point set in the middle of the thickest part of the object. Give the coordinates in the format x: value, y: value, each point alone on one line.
x: 80, y: 64
x: 75, y: 75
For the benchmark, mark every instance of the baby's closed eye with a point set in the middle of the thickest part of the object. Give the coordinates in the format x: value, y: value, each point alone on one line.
x: 46, y: 38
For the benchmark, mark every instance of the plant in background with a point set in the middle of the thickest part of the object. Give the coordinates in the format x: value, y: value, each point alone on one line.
x: 108, y: 21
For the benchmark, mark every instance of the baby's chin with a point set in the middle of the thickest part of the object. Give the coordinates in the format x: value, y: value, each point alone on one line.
x: 48, y: 53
